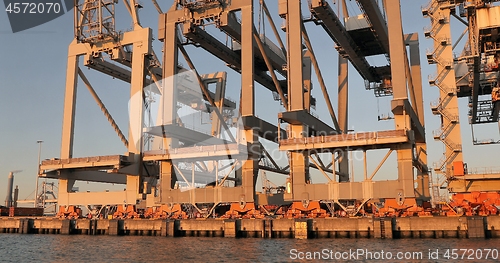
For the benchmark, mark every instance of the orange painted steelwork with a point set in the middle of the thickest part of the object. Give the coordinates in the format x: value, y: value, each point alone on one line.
x: 475, y: 203
x: 408, y: 208
x: 247, y: 210
x: 166, y: 212
x: 312, y: 210
x: 126, y: 212
x: 70, y: 212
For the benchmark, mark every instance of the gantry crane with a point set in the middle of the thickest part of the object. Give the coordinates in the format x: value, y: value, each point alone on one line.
x: 258, y: 60
x: 362, y: 36
x: 472, y: 75
x: 231, y: 151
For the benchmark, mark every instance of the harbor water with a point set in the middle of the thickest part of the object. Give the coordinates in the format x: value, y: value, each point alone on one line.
x: 80, y: 248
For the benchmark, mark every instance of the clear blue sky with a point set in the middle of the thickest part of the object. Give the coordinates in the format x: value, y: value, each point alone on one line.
x: 32, y: 83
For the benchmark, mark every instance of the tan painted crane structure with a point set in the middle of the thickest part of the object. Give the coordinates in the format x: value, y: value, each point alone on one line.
x: 473, y: 75
x: 231, y: 154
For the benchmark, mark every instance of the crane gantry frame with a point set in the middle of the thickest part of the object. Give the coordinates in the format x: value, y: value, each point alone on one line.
x: 462, y: 76
x: 258, y: 60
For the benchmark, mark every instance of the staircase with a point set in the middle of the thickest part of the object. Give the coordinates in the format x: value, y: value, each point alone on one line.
x: 441, y: 55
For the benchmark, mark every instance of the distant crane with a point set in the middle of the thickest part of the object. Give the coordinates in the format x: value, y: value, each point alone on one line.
x: 10, y: 200
x: 270, y: 187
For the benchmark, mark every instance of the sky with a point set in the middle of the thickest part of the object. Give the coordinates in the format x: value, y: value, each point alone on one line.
x: 32, y: 83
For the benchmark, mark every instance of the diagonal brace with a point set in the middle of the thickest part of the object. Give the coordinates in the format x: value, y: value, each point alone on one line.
x: 103, y: 108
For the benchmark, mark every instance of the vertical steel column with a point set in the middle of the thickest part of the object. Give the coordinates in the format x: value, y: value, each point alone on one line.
x: 397, y: 49
x: 169, y: 96
x: 69, y: 105
x: 170, y: 62
x: 299, y: 164
x: 220, y: 92
x: 365, y: 166
x: 294, y: 56
x: 68, y: 127
x: 343, y: 107
x: 400, y: 93
x: 307, y: 71
x: 474, y: 46
x: 136, y: 112
x: 416, y: 74
x: 38, y: 173
x: 422, y: 189
x: 250, y: 168
x: 247, y: 60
